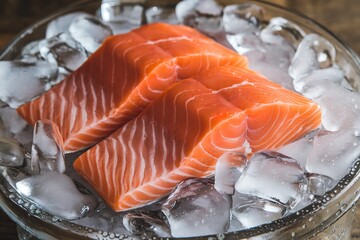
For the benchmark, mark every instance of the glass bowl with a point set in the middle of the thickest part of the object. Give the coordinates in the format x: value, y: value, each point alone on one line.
x: 330, y: 217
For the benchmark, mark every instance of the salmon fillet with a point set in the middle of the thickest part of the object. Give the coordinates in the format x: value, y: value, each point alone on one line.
x: 179, y: 136
x: 122, y: 77
x: 275, y: 115
x: 182, y: 134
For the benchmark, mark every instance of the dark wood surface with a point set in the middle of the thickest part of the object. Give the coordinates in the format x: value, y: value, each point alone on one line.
x: 341, y: 17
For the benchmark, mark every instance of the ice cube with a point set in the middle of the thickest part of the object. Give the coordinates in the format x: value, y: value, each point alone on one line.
x: 61, y: 24
x: 255, y: 212
x: 160, y: 14
x: 31, y: 52
x: 261, y: 57
x: 313, y: 52
x: 332, y: 74
x: 264, y: 177
x: 47, y: 153
x: 246, y: 43
x: 320, y: 184
x: 64, y: 51
x: 57, y: 194
x: 298, y: 150
x: 22, y: 81
x: 227, y: 170
x: 333, y: 153
x: 11, y: 121
x: 115, y: 11
x: 89, y: 32
x: 204, y: 15
x: 340, y: 107
x: 121, y: 18
x: 282, y: 31
x: 110, y: 9
x: 147, y: 224
x: 11, y: 153
x: 195, y: 208
x: 242, y: 18
x: 260, y: 62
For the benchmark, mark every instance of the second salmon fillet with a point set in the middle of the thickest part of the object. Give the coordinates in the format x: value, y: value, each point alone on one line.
x: 179, y: 136
x: 122, y: 77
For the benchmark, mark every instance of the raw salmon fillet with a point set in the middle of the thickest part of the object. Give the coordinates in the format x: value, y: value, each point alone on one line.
x: 179, y: 136
x: 122, y: 77
x: 183, y: 133
x: 275, y: 115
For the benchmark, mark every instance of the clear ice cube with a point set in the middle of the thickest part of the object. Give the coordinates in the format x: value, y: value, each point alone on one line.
x: 89, y: 32
x: 57, y: 194
x: 333, y: 153
x: 147, y: 224
x: 31, y: 52
x: 255, y: 212
x: 227, y: 170
x: 204, y: 15
x: 320, y: 184
x: 47, y: 153
x: 264, y: 177
x: 61, y: 24
x: 298, y: 150
x: 115, y: 11
x: 11, y: 121
x: 339, y: 112
x: 313, y: 52
x: 242, y: 18
x: 282, y: 31
x: 22, y: 81
x: 62, y: 50
x: 160, y: 14
x: 12, y: 154
x: 195, y: 208
x: 121, y: 17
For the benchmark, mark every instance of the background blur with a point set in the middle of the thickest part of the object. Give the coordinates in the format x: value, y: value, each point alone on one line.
x: 342, y: 17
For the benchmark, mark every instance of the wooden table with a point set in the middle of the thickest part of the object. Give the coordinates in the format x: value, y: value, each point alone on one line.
x: 341, y: 17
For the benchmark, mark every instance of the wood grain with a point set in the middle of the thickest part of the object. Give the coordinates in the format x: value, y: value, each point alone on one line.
x: 341, y: 17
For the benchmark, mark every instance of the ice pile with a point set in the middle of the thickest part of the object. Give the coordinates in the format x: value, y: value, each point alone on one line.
x: 243, y: 193
x: 39, y: 177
